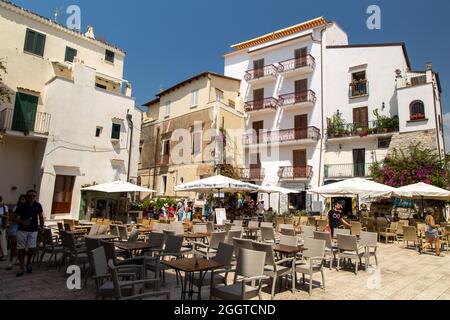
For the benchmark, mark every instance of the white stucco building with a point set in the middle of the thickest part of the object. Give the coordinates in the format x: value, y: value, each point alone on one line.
x: 295, y: 81
x: 69, y: 120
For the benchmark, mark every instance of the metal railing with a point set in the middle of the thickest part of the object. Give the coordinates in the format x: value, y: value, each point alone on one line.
x: 361, y: 129
x: 295, y: 172
x: 268, y: 103
x: 297, y: 63
x: 40, y: 124
x: 297, y: 97
x: 351, y: 170
x: 251, y: 173
x: 311, y: 133
x: 359, y: 88
x: 267, y: 71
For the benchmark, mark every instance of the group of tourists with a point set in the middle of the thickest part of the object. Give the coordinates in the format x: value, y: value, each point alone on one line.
x: 19, y: 231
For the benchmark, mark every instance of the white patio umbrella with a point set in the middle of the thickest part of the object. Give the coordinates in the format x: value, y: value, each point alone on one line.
x: 423, y: 191
x: 216, y: 183
x: 355, y: 188
x: 269, y: 189
x: 118, y: 187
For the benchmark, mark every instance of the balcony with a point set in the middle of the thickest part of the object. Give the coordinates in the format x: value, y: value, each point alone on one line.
x: 268, y: 104
x: 299, y: 66
x: 262, y: 75
x: 359, y: 89
x: 295, y: 172
x: 33, y: 123
x: 352, y: 170
x: 310, y: 134
x: 386, y: 127
x: 298, y: 99
x: 252, y: 174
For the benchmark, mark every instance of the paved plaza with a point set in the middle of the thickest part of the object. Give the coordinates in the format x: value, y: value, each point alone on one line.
x: 403, y: 274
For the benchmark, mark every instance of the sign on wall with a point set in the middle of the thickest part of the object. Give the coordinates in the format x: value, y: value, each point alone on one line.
x: 221, y: 216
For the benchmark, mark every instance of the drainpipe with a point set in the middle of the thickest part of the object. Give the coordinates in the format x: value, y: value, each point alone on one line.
x: 130, y: 126
x: 155, y: 158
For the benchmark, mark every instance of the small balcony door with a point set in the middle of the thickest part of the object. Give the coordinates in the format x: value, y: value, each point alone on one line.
x: 359, y: 163
x: 300, y: 57
x: 62, y: 194
x: 361, y: 117
x: 258, y: 127
x: 301, y: 126
x: 301, y: 87
x: 299, y: 163
x: 258, y: 98
x: 258, y: 66
x: 24, y: 112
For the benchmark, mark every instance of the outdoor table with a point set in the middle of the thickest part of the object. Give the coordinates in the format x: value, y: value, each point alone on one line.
x: 189, y: 267
x: 104, y: 237
x: 196, y: 236
x: 131, y: 247
x: 288, y: 250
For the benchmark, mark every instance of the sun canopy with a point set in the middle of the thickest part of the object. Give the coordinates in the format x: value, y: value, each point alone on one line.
x: 353, y: 188
x: 423, y: 191
x: 118, y: 187
x: 275, y: 189
x: 216, y: 183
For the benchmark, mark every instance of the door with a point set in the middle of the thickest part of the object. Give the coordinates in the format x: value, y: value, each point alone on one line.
x: 258, y: 127
x: 300, y: 57
x: 258, y: 99
x: 255, y: 162
x: 359, y: 163
x: 299, y: 162
x: 301, y: 126
x: 62, y: 194
x: 301, y: 89
x: 361, y: 118
x: 24, y: 112
x: 258, y: 66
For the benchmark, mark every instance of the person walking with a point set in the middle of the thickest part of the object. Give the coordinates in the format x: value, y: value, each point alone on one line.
x: 29, y: 217
x: 12, y: 232
x: 432, y: 232
x: 336, y: 217
x: 3, y: 228
x: 180, y: 209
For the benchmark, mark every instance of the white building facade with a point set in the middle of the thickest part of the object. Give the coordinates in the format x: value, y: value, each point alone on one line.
x: 295, y: 81
x: 69, y: 120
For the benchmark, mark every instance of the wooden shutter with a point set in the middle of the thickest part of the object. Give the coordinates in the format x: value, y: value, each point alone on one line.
x: 361, y: 117
x: 40, y: 44
x: 70, y: 54
x: 34, y: 42
x: 258, y: 66
x: 301, y: 126
x: 62, y: 194
x: 258, y: 98
x: 24, y: 116
x: 258, y: 126
x: 299, y: 157
x: 300, y: 57
x: 359, y: 160
x: 301, y: 90
x: 29, y: 40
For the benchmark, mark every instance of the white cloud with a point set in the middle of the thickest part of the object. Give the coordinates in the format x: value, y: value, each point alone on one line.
x: 446, y: 119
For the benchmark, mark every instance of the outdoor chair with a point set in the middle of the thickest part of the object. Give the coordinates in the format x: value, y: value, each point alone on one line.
x: 348, y: 248
x: 238, y: 223
x: 276, y: 269
x: 209, y: 227
x: 266, y: 224
x: 172, y: 249
x: 330, y: 249
x: 369, y: 241
x: 134, y: 235
x: 445, y: 237
x: 230, y: 235
x: 312, y: 222
x: 303, y: 220
x: 114, y: 230
x: 253, y: 224
x: 123, y: 233
x: 224, y: 257
x: 209, y: 250
x: 307, y: 231
x: 387, y: 232
x: 278, y: 221
x: 248, y: 278
x: 199, y: 228
x: 73, y: 252
x: 102, y: 229
x: 400, y: 225
x: 345, y: 232
x: 290, y: 241
x: 410, y: 235
x: 314, y: 259
x: 94, y: 230
x: 356, y: 228
x: 241, y: 243
x: 289, y: 221
x: 50, y: 246
x: 287, y: 232
x: 321, y: 225
x: 268, y: 234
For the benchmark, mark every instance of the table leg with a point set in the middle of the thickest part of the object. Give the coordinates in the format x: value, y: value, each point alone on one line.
x: 183, y: 285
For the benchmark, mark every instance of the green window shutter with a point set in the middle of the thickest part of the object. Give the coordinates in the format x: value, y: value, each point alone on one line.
x: 70, y: 54
x: 115, y: 134
x: 40, y: 44
x: 24, y: 116
x: 109, y: 56
x: 29, y: 40
x: 34, y: 42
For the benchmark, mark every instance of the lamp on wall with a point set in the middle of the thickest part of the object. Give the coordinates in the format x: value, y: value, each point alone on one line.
x: 383, y: 106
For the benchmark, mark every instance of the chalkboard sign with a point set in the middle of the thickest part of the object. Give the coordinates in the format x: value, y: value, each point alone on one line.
x: 221, y: 216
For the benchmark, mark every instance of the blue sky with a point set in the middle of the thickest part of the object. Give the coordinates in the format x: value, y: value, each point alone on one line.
x: 167, y: 40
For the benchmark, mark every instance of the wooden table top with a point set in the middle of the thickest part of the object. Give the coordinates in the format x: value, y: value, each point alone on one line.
x: 196, y: 235
x: 287, y: 249
x: 189, y: 265
x: 252, y: 228
x: 103, y: 237
x: 130, y: 246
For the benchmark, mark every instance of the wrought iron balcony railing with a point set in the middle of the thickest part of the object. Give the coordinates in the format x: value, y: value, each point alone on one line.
x: 268, y: 103
x: 297, y: 97
x: 359, y: 88
x: 251, y: 174
x: 38, y: 122
x: 350, y: 170
x: 297, y: 63
x: 268, y: 71
x: 363, y: 129
x: 295, y: 172
x: 310, y: 133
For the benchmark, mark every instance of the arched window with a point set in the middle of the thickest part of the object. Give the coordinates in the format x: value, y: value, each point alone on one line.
x: 417, y: 110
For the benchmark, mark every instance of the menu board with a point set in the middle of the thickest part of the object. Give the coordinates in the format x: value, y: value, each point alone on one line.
x: 221, y: 216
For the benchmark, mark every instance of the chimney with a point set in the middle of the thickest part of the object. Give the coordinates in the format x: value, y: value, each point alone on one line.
x: 429, y: 72
x: 90, y: 32
x: 128, y: 90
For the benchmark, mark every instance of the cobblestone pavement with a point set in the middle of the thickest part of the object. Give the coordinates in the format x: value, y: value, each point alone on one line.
x: 402, y: 274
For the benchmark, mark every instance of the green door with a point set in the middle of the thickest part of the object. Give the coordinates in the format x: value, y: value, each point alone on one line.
x: 24, y: 112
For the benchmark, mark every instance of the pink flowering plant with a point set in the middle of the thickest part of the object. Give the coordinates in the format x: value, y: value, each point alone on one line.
x: 415, y: 165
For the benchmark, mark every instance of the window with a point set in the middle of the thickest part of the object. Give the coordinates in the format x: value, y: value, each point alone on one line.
x: 197, y: 142
x: 219, y: 95
x: 358, y: 87
x: 417, y: 110
x: 232, y: 104
x: 98, y: 131
x: 62, y: 195
x: 70, y: 54
x: 25, y: 113
x: 194, y: 98
x: 166, y: 147
x: 163, y: 184
x: 34, y: 42
x: 109, y: 56
x: 384, y: 143
x: 115, y: 134
x: 101, y: 86
x: 167, y: 109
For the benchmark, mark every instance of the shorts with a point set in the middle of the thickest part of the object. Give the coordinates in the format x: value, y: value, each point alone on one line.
x: 433, y: 234
x: 26, y: 240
